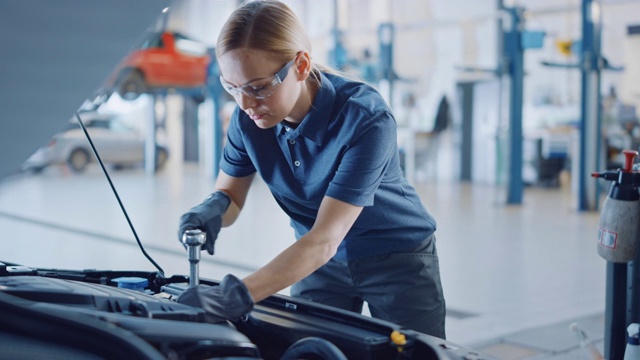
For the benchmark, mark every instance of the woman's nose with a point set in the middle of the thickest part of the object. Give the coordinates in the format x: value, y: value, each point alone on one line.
x: 245, y: 102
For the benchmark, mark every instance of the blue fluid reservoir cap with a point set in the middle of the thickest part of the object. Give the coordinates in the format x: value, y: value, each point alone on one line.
x: 133, y: 283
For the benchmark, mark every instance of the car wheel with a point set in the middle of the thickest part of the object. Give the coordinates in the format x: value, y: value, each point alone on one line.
x: 38, y: 169
x: 131, y: 84
x: 78, y: 160
x: 161, y: 157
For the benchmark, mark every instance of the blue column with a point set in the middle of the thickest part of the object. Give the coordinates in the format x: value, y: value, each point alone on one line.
x: 590, y: 121
x: 386, y: 38
x: 216, y: 92
x: 514, y: 54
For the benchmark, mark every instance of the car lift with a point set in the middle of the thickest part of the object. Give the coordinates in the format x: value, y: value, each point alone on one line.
x: 512, y: 43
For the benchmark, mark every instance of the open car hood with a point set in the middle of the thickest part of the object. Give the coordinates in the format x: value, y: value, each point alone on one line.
x: 56, y: 55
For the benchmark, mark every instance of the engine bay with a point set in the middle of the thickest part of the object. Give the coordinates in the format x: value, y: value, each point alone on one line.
x: 279, y: 327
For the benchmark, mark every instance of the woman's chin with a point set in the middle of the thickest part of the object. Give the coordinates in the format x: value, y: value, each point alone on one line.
x: 265, y: 124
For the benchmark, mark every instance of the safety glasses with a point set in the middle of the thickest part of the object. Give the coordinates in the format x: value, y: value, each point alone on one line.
x: 262, y: 91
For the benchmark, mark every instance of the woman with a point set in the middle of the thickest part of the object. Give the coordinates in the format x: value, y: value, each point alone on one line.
x: 326, y: 147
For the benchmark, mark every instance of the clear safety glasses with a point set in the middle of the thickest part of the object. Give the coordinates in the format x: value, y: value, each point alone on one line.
x: 262, y: 91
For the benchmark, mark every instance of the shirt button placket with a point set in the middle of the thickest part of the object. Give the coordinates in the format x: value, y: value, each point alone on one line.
x: 292, y: 142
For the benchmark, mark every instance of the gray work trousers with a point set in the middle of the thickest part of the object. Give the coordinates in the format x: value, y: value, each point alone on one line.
x: 403, y: 288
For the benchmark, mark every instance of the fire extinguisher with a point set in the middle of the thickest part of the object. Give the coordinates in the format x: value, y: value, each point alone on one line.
x: 620, y: 217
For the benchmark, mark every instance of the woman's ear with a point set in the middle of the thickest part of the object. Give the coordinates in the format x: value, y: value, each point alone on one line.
x: 303, y: 65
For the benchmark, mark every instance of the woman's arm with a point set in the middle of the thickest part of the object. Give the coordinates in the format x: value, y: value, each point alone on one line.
x: 237, y: 188
x: 311, y: 251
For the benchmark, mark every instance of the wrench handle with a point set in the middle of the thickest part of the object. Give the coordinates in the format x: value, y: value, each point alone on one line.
x: 193, y: 240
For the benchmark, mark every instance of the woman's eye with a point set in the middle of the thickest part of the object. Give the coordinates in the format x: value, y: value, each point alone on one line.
x: 258, y: 88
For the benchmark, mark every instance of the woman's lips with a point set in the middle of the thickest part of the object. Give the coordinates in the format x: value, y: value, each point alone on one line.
x: 255, y: 117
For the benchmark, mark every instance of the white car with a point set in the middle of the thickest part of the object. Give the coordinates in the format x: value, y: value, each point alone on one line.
x: 116, y: 143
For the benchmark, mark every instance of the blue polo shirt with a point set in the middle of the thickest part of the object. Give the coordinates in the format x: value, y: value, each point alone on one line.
x: 345, y: 148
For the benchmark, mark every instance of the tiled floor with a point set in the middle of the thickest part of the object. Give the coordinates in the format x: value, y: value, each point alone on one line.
x: 515, y: 277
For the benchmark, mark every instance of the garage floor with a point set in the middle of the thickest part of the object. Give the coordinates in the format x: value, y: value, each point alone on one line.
x: 515, y: 277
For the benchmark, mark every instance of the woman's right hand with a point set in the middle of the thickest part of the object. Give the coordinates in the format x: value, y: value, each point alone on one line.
x: 206, y: 217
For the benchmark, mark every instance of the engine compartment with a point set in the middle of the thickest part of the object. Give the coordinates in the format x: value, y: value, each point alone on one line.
x: 151, y: 320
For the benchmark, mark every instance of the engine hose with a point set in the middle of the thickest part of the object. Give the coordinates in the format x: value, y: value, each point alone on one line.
x: 313, y: 348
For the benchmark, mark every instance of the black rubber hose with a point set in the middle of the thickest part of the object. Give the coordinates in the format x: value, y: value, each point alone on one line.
x: 313, y: 348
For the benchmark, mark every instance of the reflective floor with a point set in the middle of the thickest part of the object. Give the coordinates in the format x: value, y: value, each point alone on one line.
x: 509, y: 272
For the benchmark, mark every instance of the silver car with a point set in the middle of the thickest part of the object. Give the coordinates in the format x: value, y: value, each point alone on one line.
x: 116, y: 143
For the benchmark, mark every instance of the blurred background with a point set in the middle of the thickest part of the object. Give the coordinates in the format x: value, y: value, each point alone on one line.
x: 504, y: 108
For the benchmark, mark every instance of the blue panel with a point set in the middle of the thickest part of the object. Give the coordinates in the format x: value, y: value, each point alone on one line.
x: 532, y: 39
x: 633, y: 30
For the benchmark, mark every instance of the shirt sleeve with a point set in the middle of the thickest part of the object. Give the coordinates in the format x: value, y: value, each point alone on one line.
x: 235, y: 160
x: 366, y: 159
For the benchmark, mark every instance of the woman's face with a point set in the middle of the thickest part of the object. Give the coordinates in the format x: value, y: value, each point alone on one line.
x: 249, y: 75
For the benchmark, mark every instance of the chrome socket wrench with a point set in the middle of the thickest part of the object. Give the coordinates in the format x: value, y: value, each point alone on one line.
x: 193, y: 240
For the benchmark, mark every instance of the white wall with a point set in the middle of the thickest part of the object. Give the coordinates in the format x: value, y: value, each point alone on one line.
x: 435, y: 39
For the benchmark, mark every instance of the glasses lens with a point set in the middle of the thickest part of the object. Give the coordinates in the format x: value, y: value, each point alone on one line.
x: 258, y: 92
x: 229, y: 88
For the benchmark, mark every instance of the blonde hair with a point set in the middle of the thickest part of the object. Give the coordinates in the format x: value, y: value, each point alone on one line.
x: 266, y: 25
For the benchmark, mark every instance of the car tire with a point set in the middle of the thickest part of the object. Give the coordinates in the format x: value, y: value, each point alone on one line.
x: 131, y: 84
x: 36, y: 169
x: 78, y: 160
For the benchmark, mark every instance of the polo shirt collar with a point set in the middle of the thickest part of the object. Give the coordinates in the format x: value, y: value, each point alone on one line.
x: 315, y: 123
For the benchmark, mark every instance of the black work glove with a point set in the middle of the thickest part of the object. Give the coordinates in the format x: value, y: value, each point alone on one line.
x: 228, y: 301
x: 206, y: 217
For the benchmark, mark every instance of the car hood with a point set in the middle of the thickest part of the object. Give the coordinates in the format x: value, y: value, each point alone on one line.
x: 56, y: 55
